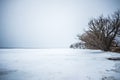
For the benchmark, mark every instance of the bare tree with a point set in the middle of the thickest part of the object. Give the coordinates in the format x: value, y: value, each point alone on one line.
x: 102, y: 32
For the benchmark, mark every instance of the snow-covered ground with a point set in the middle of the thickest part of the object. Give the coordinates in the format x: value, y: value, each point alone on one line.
x: 58, y: 64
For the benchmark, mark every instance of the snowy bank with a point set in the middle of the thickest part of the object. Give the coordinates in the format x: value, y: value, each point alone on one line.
x: 58, y: 64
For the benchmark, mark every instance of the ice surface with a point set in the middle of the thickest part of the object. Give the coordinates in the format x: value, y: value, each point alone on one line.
x: 58, y: 64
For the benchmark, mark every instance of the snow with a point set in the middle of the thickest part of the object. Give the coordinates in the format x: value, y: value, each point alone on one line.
x: 58, y: 64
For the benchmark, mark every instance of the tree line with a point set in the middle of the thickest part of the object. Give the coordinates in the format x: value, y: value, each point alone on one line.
x: 103, y: 33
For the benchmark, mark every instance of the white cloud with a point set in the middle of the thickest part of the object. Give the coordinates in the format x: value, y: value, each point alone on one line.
x: 48, y: 23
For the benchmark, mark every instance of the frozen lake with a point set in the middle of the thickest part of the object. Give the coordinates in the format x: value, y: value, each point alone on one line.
x: 58, y: 64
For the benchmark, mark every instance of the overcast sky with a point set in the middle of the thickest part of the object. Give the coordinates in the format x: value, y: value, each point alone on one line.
x: 48, y: 23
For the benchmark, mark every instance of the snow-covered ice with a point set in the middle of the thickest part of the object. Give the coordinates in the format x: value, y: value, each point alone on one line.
x: 58, y: 64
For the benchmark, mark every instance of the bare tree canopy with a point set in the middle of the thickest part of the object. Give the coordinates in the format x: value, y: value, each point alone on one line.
x: 102, y: 32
